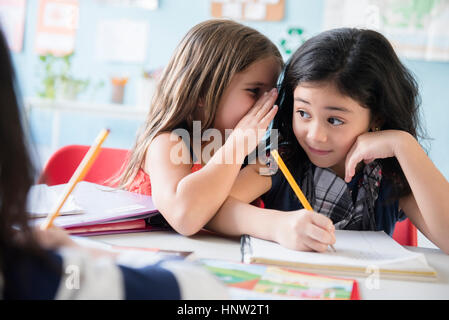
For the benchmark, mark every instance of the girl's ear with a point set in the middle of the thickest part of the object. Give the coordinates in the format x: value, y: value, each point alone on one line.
x: 376, y: 124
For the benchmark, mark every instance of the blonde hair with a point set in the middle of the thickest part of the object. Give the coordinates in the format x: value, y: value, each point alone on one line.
x: 201, y: 68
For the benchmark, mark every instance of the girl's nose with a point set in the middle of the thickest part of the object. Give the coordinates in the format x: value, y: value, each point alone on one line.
x: 317, y: 133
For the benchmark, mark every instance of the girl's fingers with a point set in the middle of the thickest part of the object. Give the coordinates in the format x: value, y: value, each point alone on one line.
x: 261, y: 101
x: 261, y: 114
x: 321, y: 235
x: 256, y: 107
x: 261, y: 107
x: 267, y: 104
x: 269, y: 116
x: 352, y: 159
x: 350, y: 171
x: 322, y: 221
x: 315, y: 245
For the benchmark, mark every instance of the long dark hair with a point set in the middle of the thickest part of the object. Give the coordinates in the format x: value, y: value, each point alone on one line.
x: 362, y: 64
x: 16, y: 168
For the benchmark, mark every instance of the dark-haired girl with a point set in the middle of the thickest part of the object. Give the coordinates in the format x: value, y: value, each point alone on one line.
x: 348, y: 128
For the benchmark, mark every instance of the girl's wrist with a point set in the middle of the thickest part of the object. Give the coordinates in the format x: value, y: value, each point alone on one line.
x: 268, y: 225
x: 275, y: 229
x: 234, y: 149
x: 403, y: 143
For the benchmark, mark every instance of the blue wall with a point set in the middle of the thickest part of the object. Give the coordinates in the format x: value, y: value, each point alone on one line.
x: 167, y: 25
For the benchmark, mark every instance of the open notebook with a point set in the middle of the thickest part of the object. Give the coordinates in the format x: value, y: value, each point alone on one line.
x: 358, y: 253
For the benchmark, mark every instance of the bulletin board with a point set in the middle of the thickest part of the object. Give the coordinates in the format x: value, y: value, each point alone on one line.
x: 250, y: 10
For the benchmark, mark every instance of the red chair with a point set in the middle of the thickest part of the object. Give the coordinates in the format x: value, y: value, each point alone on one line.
x: 405, y: 233
x: 63, y: 163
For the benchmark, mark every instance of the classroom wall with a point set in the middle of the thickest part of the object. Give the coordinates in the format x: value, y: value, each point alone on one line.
x: 167, y: 25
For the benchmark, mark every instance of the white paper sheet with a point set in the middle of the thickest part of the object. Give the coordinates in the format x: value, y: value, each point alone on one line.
x: 42, y: 199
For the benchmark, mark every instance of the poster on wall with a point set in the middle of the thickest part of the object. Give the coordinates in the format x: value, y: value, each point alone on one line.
x: 121, y: 40
x: 56, y: 27
x: 12, y: 21
x: 142, y: 4
x: 251, y: 10
x: 416, y: 29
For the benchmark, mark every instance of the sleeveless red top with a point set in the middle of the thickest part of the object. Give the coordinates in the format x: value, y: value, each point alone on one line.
x: 142, y: 184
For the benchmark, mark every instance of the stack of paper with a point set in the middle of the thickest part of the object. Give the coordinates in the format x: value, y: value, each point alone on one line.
x: 42, y: 199
x: 103, y: 209
x: 358, y: 253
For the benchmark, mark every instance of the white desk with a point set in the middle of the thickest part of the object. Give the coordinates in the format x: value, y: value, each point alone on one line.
x: 207, y: 245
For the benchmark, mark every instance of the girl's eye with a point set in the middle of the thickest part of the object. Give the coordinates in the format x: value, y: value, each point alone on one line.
x: 303, y: 114
x: 335, y: 121
x: 254, y: 91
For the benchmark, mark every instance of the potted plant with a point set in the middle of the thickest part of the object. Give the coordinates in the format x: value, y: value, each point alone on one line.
x: 58, y: 80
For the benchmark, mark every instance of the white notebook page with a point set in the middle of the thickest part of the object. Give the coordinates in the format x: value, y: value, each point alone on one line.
x: 353, y: 248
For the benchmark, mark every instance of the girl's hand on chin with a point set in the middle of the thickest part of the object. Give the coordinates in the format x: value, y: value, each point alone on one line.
x: 369, y: 147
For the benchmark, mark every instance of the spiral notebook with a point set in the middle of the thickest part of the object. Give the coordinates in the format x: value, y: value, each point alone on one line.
x: 358, y: 254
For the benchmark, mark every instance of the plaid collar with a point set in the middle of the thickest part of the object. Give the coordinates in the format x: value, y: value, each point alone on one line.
x: 330, y: 195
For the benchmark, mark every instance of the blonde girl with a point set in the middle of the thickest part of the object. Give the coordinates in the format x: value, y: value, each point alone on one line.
x: 220, y: 77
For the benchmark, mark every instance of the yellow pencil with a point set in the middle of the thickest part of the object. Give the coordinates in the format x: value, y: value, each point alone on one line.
x: 78, y: 175
x: 293, y: 183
